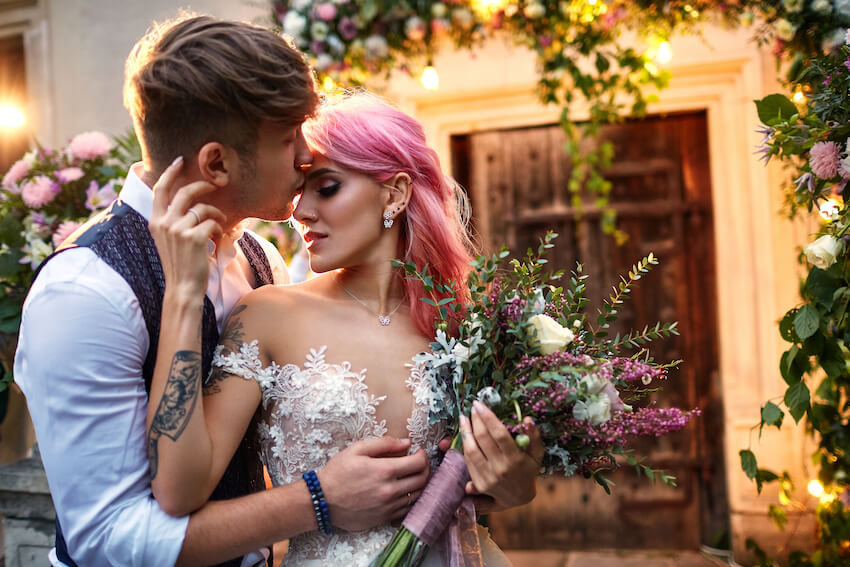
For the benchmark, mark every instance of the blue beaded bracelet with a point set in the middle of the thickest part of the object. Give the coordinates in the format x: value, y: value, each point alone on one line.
x: 320, y: 507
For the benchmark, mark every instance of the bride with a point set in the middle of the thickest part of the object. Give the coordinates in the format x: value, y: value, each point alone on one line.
x: 330, y: 361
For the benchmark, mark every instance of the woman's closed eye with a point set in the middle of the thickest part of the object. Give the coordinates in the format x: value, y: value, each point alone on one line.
x: 328, y: 190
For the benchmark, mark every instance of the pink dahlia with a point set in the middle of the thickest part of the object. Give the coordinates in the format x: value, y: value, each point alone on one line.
x: 15, y: 174
x: 824, y: 159
x: 326, y: 11
x: 40, y: 191
x: 69, y: 174
x: 64, y: 231
x: 89, y: 145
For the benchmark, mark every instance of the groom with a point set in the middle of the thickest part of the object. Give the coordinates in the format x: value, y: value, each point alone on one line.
x: 230, y: 97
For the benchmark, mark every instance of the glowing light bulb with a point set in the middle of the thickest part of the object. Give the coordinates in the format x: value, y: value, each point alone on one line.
x: 664, y: 54
x: 488, y: 7
x: 328, y: 84
x: 816, y: 488
x: 11, y: 117
x: 430, y: 79
x: 799, y: 96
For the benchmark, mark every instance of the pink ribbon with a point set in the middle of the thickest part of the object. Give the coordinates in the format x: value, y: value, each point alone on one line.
x: 461, y: 545
x: 442, y: 505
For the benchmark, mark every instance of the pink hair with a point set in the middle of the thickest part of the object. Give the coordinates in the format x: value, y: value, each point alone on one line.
x: 362, y: 133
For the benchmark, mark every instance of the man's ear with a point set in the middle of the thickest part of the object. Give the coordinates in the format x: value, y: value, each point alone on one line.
x: 398, y: 189
x: 217, y: 163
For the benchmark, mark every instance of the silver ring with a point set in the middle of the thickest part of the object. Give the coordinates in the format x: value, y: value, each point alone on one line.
x: 197, y: 216
x: 408, y: 499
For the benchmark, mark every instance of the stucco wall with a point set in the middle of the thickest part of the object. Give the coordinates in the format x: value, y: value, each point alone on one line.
x: 86, y: 44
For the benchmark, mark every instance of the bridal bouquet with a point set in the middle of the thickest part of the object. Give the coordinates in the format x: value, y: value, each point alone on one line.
x: 525, y: 347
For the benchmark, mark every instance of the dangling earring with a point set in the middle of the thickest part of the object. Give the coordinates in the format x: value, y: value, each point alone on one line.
x: 388, y: 219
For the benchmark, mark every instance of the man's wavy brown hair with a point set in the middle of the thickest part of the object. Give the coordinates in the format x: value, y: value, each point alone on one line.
x: 198, y: 79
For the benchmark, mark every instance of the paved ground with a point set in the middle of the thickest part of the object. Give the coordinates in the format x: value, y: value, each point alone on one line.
x: 613, y: 559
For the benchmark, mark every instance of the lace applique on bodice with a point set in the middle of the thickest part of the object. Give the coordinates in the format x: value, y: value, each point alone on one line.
x: 311, y: 413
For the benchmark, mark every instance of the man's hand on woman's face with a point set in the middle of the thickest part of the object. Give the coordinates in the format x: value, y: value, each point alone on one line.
x: 181, y: 225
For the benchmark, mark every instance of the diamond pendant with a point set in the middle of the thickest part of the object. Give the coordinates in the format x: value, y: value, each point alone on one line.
x: 384, y: 320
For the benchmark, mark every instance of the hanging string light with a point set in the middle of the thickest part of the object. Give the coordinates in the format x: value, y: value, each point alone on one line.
x: 665, y: 53
x: 430, y: 79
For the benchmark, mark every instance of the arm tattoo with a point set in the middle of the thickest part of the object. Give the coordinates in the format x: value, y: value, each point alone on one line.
x: 177, y: 403
x: 231, y: 340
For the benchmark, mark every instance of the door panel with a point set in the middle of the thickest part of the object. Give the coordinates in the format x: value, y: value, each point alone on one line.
x: 517, y: 182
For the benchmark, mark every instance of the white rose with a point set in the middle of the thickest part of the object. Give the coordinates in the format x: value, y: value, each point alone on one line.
x: 294, y: 24
x: 596, y: 411
x: 376, y: 46
x: 822, y: 7
x: 834, y: 39
x: 785, y: 30
x: 319, y: 30
x: 438, y: 9
x: 535, y: 10
x: 551, y: 336
x: 823, y: 251
x: 793, y: 6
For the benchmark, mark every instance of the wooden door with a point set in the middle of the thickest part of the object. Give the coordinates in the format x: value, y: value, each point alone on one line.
x: 662, y: 194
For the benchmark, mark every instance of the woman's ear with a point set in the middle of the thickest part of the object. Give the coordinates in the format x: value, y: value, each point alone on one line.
x: 398, y: 188
x: 217, y: 163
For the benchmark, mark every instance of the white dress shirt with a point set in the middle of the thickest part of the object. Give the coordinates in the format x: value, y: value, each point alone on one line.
x: 82, y: 345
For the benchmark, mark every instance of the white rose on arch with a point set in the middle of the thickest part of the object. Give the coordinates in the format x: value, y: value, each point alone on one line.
x: 551, y: 336
x: 823, y: 252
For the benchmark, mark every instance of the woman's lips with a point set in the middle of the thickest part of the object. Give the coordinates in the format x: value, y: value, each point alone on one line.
x: 311, y: 238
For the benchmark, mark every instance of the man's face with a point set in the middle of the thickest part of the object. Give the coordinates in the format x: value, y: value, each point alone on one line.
x: 269, y: 181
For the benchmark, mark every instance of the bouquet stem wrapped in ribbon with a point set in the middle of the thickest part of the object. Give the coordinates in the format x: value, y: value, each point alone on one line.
x: 524, y: 346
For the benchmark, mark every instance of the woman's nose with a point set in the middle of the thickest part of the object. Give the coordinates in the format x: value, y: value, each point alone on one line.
x: 303, y: 212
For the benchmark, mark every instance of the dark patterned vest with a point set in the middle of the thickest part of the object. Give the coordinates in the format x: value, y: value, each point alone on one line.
x: 120, y: 237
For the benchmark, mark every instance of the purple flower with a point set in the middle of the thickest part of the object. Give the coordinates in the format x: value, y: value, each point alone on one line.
x: 317, y: 47
x: 764, y: 154
x: 347, y: 29
x: 64, y: 231
x: 99, y: 197
x: 847, y: 64
x: 806, y: 179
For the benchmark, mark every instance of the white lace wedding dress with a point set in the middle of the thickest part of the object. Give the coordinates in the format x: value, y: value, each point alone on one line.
x: 314, y: 411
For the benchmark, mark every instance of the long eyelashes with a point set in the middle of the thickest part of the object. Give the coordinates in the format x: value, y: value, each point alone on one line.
x: 329, y: 190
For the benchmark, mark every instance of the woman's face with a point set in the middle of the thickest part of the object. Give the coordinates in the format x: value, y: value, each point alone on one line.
x: 340, y: 213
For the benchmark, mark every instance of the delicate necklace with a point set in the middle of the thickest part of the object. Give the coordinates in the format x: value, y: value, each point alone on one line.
x: 382, y: 319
